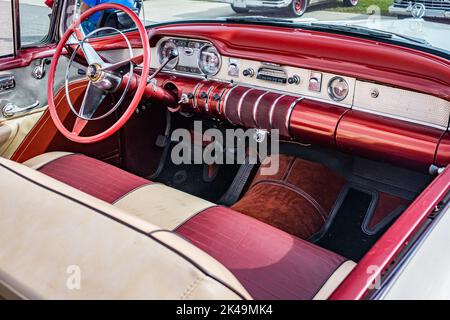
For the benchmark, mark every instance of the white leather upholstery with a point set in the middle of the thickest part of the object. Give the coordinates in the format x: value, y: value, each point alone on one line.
x: 335, y: 280
x: 125, y: 250
x: 14, y: 131
x: 45, y: 158
x: 50, y: 231
x: 164, y: 206
x: 155, y: 203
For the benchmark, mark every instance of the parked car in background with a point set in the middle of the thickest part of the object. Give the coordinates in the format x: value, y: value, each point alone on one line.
x: 295, y: 8
x: 421, y: 8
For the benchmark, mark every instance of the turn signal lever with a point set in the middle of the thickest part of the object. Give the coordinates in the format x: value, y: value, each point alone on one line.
x: 153, y: 92
x: 173, y: 54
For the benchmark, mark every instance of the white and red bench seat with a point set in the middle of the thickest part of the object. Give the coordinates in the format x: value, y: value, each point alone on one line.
x: 268, y: 262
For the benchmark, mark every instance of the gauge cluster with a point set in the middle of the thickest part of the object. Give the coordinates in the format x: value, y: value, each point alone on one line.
x: 194, y: 56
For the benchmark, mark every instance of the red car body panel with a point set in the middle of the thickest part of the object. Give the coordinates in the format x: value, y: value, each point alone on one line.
x: 380, y: 256
x: 316, y: 122
x: 382, y: 138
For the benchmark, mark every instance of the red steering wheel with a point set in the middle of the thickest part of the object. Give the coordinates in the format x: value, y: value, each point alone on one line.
x: 101, y: 75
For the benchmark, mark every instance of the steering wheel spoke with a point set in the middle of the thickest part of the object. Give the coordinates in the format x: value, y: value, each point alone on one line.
x: 79, y: 126
x: 91, y: 56
x: 93, y: 98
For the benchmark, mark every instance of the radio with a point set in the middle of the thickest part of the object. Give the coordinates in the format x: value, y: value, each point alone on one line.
x: 272, y: 73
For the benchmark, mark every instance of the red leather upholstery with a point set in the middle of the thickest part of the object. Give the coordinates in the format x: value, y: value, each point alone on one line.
x: 94, y: 177
x: 270, y: 263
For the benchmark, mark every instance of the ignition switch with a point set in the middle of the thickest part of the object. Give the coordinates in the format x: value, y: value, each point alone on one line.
x: 249, y: 72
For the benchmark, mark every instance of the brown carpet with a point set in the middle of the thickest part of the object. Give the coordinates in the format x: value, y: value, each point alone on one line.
x: 297, y: 199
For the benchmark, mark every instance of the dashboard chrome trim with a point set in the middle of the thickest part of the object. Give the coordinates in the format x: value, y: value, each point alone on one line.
x: 194, y: 102
x: 225, y: 101
x: 416, y: 107
x: 356, y: 99
x: 255, y: 106
x: 391, y: 116
x: 291, y: 108
x: 208, y: 93
x: 289, y: 93
x: 272, y: 109
x: 234, y: 84
x: 241, y: 100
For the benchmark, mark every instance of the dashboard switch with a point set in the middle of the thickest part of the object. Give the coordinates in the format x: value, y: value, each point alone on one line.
x: 203, y: 95
x: 315, y: 82
x: 294, y: 80
x: 249, y: 72
x: 233, y: 68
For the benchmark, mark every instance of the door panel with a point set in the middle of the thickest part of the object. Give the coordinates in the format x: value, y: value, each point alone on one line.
x: 29, y: 90
x: 13, y: 132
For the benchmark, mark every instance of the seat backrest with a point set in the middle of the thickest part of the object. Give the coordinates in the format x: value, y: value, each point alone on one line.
x: 59, y: 243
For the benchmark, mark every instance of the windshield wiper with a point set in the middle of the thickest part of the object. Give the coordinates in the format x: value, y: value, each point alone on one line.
x: 361, y: 30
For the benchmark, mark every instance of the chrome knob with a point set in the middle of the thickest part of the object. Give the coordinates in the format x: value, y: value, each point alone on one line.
x: 294, y: 80
x: 249, y: 72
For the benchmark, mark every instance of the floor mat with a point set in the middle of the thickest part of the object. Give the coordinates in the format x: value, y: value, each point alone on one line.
x: 298, y: 198
x: 195, y: 179
x: 201, y: 180
x: 359, y: 221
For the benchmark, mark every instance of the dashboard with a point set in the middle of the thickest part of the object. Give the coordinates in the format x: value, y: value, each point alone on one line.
x: 365, y: 98
x: 201, y: 59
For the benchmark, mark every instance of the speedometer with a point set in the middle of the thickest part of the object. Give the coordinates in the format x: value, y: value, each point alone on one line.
x: 209, y: 60
x: 164, y: 52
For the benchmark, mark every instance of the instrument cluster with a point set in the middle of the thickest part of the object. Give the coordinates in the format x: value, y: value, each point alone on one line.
x: 194, y: 56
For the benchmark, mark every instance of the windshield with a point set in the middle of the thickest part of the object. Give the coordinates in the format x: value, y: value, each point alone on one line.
x: 421, y: 23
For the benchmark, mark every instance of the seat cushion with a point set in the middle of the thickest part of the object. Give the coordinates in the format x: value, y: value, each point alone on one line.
x: 270, y: 263
x: 94, y: 177
x: 60, y: 243
x: 153, y: 202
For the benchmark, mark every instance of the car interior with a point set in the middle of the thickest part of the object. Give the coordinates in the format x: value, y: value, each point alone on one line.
x: 363, y: 131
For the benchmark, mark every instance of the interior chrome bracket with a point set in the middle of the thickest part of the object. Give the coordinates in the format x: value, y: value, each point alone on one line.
x: 39, y: 69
